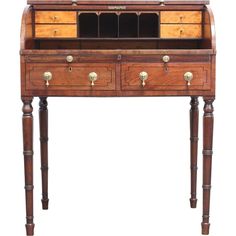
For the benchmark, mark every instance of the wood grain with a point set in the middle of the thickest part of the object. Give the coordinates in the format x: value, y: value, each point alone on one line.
x: 181, y: 31
x: 74, y: 79
x: 43, y: 130
x: 194, y: 120
x: 26, y: 29
x: 181, y: 17
x: 27, y: 122
x: 56, y: 31
x: 55, y: 17
x: 208, y: 123
x: 160, y: 79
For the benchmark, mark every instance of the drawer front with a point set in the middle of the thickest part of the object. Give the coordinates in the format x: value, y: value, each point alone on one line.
x: 181, y: 17
x: 55, y: 31
x: 70, y: 77
x: 181, y: 31
x: 165, y: 78
x: 55, y: 17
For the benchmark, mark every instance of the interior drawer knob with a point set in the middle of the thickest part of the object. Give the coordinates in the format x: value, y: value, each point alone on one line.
x: 92, y: 77
x: 54, y: 18
x: 188, y: 76
x: 143, y: 76
x: 55, y: 32
x: 47, y: 76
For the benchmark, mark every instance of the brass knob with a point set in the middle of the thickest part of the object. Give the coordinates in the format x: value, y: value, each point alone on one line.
x: 188, y: 76
x: 92, y: 77
x: 47, y: 76
x: 69, y: 59
x: 166, y: 59
x: 181, y: 18
x: 54, y: 18
x: 143, y: 76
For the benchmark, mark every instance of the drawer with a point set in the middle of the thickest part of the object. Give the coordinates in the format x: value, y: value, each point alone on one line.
x: 70, y: 77
x: 181, y: 31
x: 57, y: 17
x: 181, y: 17
x: 55, y: 31
x: 161, y: 79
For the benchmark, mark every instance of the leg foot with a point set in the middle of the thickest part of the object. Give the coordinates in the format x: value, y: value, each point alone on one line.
x: 193, y: 203
x: 29, y: 229
x: 45, y: 204
x: 205, y: 228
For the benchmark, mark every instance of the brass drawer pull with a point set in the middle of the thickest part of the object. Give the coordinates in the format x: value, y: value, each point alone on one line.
x: 188, y: 76
x: 47, y: 76
x: 166, y: 59
x: 92, y: 77
x: 69, y: 59
x: 143, y: 76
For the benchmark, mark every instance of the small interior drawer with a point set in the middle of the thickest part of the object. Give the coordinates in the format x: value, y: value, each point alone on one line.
x: 181, y: 17
x: 55, y: 31
x: 181, y: 31
x: 56, y: 17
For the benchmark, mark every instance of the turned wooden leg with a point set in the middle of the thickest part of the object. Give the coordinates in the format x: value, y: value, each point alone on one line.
x: 28, y: 162
x: 208, y: 120
x: 194, y: 113
x: 43, y: 123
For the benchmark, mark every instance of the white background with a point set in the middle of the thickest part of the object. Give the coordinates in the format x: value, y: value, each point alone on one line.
x: 118, y: 166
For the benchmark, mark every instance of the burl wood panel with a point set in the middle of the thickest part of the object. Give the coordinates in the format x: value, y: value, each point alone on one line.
x: 56, y: 17
x: 181, y: 31
x: 70, y: 76
x: 181, y: 17
x: 165, y: 78
x: 55, y: 31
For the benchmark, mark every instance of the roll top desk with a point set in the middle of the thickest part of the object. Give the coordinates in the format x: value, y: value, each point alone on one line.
x: 117, y: 48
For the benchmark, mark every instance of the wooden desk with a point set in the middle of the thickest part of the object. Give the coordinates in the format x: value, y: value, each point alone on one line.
x: 123, y: 49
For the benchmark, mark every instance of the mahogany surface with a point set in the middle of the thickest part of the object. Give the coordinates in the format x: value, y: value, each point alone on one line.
x: 54, y: 41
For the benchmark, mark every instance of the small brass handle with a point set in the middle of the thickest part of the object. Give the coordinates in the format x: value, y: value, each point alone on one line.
x: 47, y: 76
x: 55, y: 31
x: 92, y: 77
x: 55, y: 18
x: 188, y: 76
x: 166, y: 59
x: 69, y: 59
x: 143, y: 76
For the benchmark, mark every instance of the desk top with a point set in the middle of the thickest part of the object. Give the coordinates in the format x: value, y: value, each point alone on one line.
x: 155, y: 2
